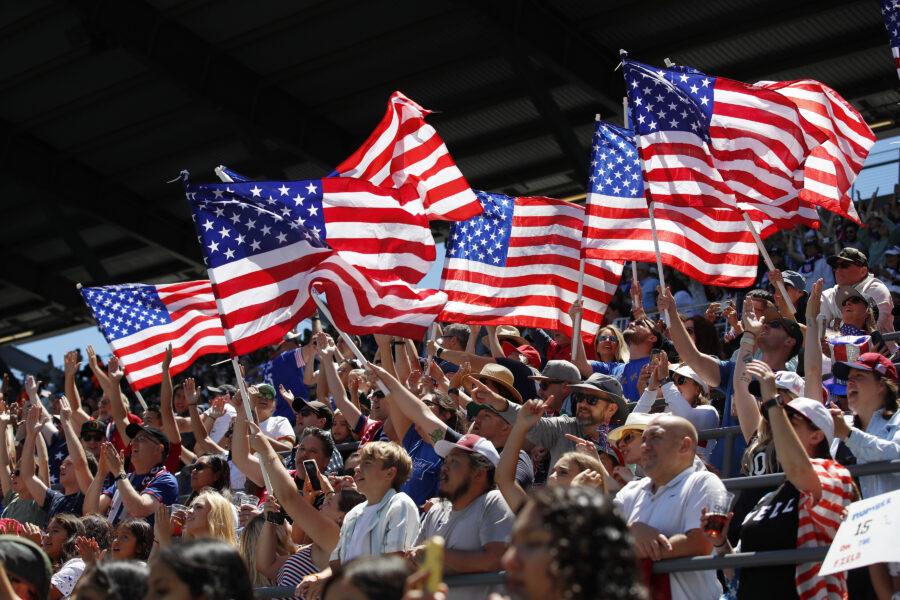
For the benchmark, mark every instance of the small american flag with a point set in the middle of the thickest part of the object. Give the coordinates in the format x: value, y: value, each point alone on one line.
x: 711, y: 141
x: 405, y: 149
x: 831, y: 168
x: 139, y: 321
x: 891, y: 11
x: 517, y: 264
x: 711, y: 245
x: 265, y: 252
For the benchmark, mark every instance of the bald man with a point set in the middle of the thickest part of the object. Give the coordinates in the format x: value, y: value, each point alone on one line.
x: 663, y: 509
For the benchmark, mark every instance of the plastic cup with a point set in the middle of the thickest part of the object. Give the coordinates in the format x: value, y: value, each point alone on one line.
x: 718, y: 507
x: 178, y: 514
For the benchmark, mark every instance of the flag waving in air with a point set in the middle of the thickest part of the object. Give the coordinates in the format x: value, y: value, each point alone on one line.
x: 890, y: 9
x: 709, y: 244
x: 405, y: 149
x: 517, y: 264
x: 265, y: 252
x: 139, y: 321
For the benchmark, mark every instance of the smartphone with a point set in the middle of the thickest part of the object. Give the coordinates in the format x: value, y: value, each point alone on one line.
x: 275, y: 517
x: 312, y: 475
x: 433, y: 563
x: 654, y: 356
x: 877, y: 340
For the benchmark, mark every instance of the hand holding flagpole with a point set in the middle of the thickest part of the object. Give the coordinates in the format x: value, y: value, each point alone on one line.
x: 765, y: 254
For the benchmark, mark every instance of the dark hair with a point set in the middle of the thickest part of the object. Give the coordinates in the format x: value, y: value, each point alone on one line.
x: 209, y: 568
x: 378, y: 577
x: 143, y: 534
x: 99, y: 528
x: 327, y: 441
x: 348, y: 498
x: 480, y: 461
x: 707, y: 336
x: 92, y: 463
x: 761, y: 294
x: 592, y: 554
x: 890, y: 405
x: 74, y: 528
x: 222, y: 483
x: 117, y: 579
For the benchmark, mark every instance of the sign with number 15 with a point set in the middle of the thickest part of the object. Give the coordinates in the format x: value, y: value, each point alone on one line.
x: 867, y: 536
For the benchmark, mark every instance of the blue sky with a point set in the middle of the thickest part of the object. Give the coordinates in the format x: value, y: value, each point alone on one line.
x: 882, y: 177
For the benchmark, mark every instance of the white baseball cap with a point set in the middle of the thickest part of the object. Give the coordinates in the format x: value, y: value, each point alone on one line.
x: 470, y: 443
x: 817, y: 413
x: 790, y: 381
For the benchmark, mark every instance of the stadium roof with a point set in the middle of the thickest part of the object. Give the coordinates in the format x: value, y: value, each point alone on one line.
x: 104, y: 102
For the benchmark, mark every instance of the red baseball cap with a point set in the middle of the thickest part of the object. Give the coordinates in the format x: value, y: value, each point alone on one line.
x: 534, y: 358
x: 870, y: 361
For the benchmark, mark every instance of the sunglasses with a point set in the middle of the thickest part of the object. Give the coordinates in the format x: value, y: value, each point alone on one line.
x: 591, y: 400
x: 627, y: 438
x: 545, y: 385
x: 92, y: 437
x: 680, y: 379
x: 608, y: 338
x: 201, y: 466
x: 267, y: 395
x: 854, y: 300
x: 843, y: 265
x: 306, y: 412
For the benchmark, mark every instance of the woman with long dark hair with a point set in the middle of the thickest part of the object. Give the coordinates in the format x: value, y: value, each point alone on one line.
x: 113, y: 580
x: 198, y: 570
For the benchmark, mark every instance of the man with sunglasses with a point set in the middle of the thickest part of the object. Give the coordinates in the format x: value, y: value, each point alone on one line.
x: 93, y: 434
x: 851, y: 268
x: 642, y: 336
x: 555, y: 383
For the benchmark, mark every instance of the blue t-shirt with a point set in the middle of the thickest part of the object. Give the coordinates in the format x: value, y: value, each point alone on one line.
x: 726, y: 386
x: 163, y: 486
x: 629, y: 378
x: 612, y: 367
x: 56, y: 503
x: 57, y: 451
x: 426, y: 468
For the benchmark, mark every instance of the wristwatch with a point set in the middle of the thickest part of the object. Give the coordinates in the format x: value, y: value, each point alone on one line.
x: 664, y: 381
x: 438, y: 353
x: 121, y: 476
x: 765, y: 406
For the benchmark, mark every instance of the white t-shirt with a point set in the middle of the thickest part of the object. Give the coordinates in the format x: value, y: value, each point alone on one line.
x: 67, y: 577
x: 278, y: 429
x: 674, y: 508
x: 217, y: 432
x: 362, y: 526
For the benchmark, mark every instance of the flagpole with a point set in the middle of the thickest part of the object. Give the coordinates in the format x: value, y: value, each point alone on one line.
x: 769, y: 264
x: 634, y: 275
x: 659, y: 265
x: 140, y: 399
x: 245, y: 397
x: 356, y: 351
x: 432, y: 335
x: 576, y: 325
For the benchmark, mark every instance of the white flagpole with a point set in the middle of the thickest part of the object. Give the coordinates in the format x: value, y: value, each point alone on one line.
x: 432, y: 335
x: 634, y: 275
x: 659, y: 265
x: 769, y: 264
x: 245, y: 397
x: 140, y: 399
x: 576, y: 326
x: 347, y: 340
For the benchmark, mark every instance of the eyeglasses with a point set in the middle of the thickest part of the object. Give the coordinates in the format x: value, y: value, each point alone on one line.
x: 608, y: 338
x: 201, y: 466
x: 545, y: 385
x: 591, y: 400
x: 267, y: 395
x: 627, y: 438
x: 854, y: 300
x: 95, y: 436
x: 306, y: 412
x: 679, y: 379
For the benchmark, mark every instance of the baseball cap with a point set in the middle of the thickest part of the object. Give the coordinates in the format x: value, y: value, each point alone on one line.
x: 607, y: 388
x: 134, y: 428
x: 223, y: 389
x: 784, y: 380
x: 794, y: 279
x: 534, y: 358
x: 469, y: 443
x: 685, y: 370
x: 559, y: 370
x: 28, y: 561
x: 870, y: 361
x: 851, y: 255
x: 93, y: 426
x: 473, y: 408
x: 321, y: 409
x: 265, y: 387
x: 845, y: 292
x: 836, y: 386
x: 816, y: 413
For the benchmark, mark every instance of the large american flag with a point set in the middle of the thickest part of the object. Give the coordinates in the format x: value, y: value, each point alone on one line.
x: 891, y: 11
x: 517, y: 264
x: 709, y: 244
x: 381, y: 231
x: 831, y: 168
x: 139, y: 321
x: 711, y: 141
x: 405, y: 149
x: 265, y: 252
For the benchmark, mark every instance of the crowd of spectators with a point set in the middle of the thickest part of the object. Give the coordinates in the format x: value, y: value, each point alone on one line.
x: 571, y: 463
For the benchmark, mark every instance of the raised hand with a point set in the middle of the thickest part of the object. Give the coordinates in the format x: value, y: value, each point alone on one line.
x: 115, y: 371
x: 665, y: 301
x: 588, y: 478
x: 92, y: 359
x: 575, y: 310
x: 162, y: 524
x: 217, y: 408
x: 32, y: 532
x: 114, y: 460
x: 190, y: 391
x: 461, y: 376
x: 584, y: 446
x: 325, y: 347
x: 33, y: 419
x: 65, y: 409
x: 531, y: 412
x: 482, y: 394
x: 71, y: 364
x: 749, y: 321
x: 88, y: 549
x: 286, y: 393
x: 32, y: 387
x: 730, y: 314
x: 814, y: 303
x: 712, y: 312
x: 414, y: 381
x: 763, y: 373
x: 167, y: 358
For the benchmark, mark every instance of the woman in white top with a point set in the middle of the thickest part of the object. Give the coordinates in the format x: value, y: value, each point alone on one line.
x: 686, y: 395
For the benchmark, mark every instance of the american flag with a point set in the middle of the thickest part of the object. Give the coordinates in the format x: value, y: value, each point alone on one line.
x: 265, y: 252
x: 832, y: 167
x: 405, y: 149
x: 517, y: 264
x: 381, y: 231
x: 711, y: 141
x: 139, y: 321
x: 711, y: 244
x: 891, y: 11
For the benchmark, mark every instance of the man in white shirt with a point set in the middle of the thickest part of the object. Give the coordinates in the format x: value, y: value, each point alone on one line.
x: 279, y: 430
x: 851, y: 268
x: 663, y: 509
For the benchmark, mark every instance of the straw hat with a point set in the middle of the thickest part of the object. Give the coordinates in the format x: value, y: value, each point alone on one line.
x: 506, y: 332
x: 501, y: 376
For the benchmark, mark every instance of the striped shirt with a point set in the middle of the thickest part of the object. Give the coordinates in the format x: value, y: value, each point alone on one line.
x: 297, y: 566
x: 818, y: 524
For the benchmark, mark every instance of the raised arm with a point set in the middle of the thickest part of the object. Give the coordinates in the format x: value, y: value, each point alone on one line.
x: 73, y: 443
x: 458, y: 357
x: 32, y: 390
x: 268, y: 561
x: 812, y: 355
x: 493, y: 342
x: 797, y: 466
x: 166, y: 412
x: 326, y: 349
x: 580, y: 360
x: 72, y: 366
x: 513, y: 493
x: 94, y: 501
x: 745, y: 405
x: 703, y: 364
x: 203, y: 442
x: 117, y: 406
x: 413, y: 408
x: 784, y: 308
x: 323, y: 531
x: 240, y: 450
x: 5, y: 463
x: 36, y: 487
x: 137, y: 504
